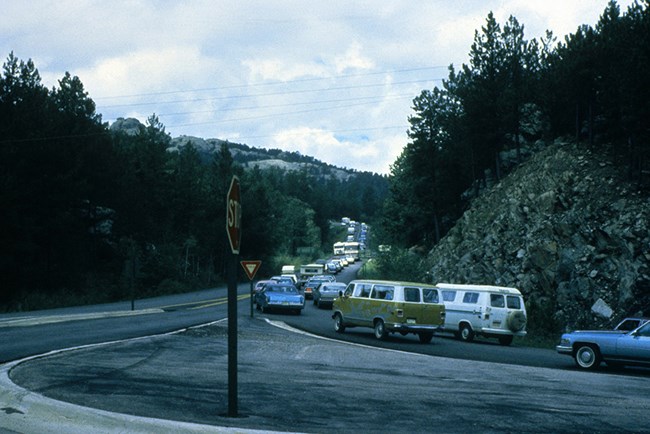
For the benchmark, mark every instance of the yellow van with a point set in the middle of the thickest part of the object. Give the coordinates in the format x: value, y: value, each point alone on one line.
x: 390, y: 306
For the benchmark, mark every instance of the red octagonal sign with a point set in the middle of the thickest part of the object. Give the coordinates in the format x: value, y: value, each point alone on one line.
x: 233, y: 215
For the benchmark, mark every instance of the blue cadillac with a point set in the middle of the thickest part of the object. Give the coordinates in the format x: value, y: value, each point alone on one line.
x: 616, y: 348
x: 281, y: 296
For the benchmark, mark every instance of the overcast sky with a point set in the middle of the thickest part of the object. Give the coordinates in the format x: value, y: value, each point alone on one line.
x: 331, y: 79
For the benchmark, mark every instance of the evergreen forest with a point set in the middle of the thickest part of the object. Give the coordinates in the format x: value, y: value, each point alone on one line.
x: 514, y: 95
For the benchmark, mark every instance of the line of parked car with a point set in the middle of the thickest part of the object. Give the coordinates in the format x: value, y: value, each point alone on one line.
x: 465, y: 310
x: 281, y: 293
x: 406, y: 307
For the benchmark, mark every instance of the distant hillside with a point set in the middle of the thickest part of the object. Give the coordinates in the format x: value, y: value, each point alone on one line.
x: 568, y: 230
x: 246, y: 156
x: 250, y: 157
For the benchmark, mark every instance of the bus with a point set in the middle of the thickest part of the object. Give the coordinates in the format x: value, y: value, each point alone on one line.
x: 351, y: 248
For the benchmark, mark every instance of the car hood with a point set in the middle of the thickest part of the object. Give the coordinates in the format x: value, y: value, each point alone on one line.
x: 600, y: 333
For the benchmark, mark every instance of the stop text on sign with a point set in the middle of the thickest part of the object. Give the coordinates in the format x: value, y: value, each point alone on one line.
x: 233, y: 215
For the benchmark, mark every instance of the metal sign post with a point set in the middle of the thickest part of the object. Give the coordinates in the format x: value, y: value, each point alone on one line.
x: 233, y: 229
x: 251, y: 267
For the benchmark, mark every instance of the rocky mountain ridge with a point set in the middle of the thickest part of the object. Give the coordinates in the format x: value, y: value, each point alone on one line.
x: 568, y: 230
x: 248, y: 157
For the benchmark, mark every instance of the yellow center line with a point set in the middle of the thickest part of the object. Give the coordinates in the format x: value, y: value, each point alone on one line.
x: 220, y: 301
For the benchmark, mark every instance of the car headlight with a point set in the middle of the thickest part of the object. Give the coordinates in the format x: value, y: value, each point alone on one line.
x: 565, y: 342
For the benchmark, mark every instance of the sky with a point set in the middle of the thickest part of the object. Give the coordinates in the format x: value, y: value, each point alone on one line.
x: 332, y: 79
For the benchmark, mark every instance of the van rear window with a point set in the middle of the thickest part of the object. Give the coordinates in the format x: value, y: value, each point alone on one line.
x: 514, y: 302
x: 430, y: 295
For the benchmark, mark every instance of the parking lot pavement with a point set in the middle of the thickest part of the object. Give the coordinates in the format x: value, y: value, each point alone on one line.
x: 292, y: 382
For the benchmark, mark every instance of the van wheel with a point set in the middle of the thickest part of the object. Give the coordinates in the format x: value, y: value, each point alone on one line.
x: 380, y: 330
x: 505, y: 340
x: 338, y: 323
x: 425, y: 337
x: 466, y: 333
x: 587, y: 356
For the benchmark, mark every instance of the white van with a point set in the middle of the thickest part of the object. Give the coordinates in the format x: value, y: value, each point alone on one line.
x: 490, y: 311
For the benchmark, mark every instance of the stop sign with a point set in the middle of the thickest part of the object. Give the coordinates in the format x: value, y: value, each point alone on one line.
x: 233, y: 215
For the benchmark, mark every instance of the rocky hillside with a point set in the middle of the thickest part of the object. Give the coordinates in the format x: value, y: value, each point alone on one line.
x: 568, y: 230
x: 248, y: 157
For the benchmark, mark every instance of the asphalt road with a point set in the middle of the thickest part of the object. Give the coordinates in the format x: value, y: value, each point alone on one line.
x: 31, y: 333
x: 292, y: 381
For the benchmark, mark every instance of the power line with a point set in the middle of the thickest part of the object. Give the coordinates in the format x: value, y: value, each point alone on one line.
x: 253, y: 85
x: 292, y: 104
x: 289, y: 92
x: 272, y: 115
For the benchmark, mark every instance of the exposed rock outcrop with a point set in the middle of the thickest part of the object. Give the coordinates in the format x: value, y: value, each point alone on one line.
x: 568, y: 230
x: 129, y: 126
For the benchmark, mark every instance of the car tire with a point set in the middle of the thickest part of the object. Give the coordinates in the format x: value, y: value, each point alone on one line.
x: 298, y: 311
x: 505, y: 340
x: 466, y: 334
x: 425, y: 337
x: 380, y: 330
x: 587, y: 356
x: 338, y: 323
x: 516, y: 321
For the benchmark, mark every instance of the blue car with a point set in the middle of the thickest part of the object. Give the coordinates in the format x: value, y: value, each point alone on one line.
x: 326, y: 292
x: 281, y: 297
x: 616, y: 348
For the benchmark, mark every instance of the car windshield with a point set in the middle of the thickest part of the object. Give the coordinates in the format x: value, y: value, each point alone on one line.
x: 643, y: 330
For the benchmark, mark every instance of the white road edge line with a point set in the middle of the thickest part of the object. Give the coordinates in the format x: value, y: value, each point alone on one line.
x: 27, y: 411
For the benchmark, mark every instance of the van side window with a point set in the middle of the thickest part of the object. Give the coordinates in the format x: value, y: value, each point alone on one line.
x: 514, y: 302
x: 497, y: 300
x: 412, y: 295
x: 470, y: 297
x: 349, y: 290
x: 430, y: 295
x: 363, y: 290
x: 448, y: 295
x: 382, y: 292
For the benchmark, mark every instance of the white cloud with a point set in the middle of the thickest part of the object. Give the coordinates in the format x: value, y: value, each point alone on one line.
x: 352, y: 59
x: 360, y: 154
x: 280, y: 70
x: 333, y: 79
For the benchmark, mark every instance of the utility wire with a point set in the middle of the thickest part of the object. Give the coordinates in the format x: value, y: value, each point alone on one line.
x: 276, y: 83
x: 289, y: 92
